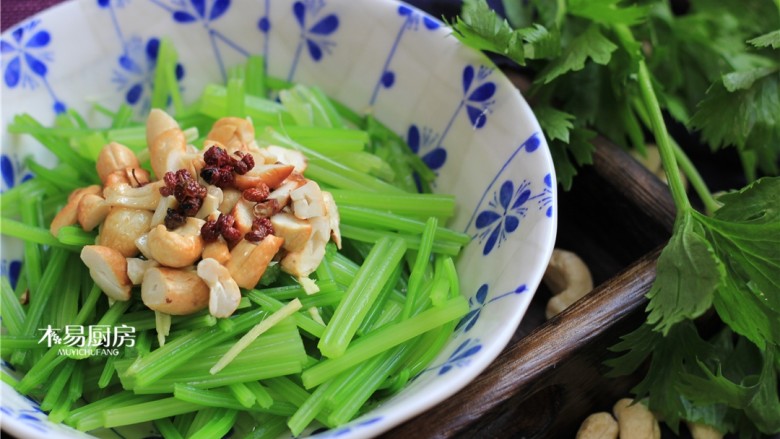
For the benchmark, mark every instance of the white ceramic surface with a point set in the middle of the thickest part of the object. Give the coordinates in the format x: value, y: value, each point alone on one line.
x: 452, y: 105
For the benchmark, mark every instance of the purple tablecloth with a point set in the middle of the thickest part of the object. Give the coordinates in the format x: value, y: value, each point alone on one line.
x: 14, y: 11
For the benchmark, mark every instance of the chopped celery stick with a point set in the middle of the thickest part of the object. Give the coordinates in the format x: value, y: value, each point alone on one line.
x: 366, y: 217
x: 162, y: 88
x: 452, y: 275
x: 421, y: 263
x: 412, y: 241
x: 56, y: 386
x: 11, y: 309
x: 318, y: 97
x: 13, y: 342
x: 32, y: 234
x: 307, y: 411
x: 255, y: 76
x: 208, y: 398
x: 367, y: 163
x: 242, y: 394
x: 123, y: 116
x: 107, y: 373
x: 418, y: 205
x: 305, y: 323
x: 378, y: 307
x: 76, y: 236
x: 262, y: 111
x: 76, y: 384
x: 41, y: 296
x: 384, y: 339
x: 327, y: 140
x: 268, y: 427
x: 288, y: 292
x: 166, y: 428
x: 253, y: 333
x: 87, y: 417
x: 63, y: 177
x: 235, y: 93
x: 262, y: 396
x: 179, y: 351
x: 61, y: 408
x: 218, y: 426
x: 146, y: 411
x: 376, y: 270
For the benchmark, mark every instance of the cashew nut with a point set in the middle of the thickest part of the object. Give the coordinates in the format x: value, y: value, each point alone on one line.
x: 176, y: 248
x: 599, y: 425
x: 145, y: 197
x: 307, y: 201
x: 234, y: 132
x: 568, y: 278
x: 289, y: 157
x: 122, y: 227
x: 68, y: 215
x: 282, y: 193
x: 92, y: 210
x: 224, y: 295
x: 271, y: 175
x: 136, y: 268
x: 174, y: 291
x: 115, y: 157
x: 230, y: 197
x: 108, y: 268
x: 161, y: 211
x: 248, y: 260
x: 302, y: 263
x: 703, y: 431
x: 334, y: 219
x: 295, y: 231
x: 243, y: 213
x: 218, y: 250
x: 211, y: 203
x: 635, y: 420
x: 167, y: 145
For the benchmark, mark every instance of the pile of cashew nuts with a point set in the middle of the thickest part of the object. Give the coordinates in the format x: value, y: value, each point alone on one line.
x: 178, y: 272
x: 633, y: 420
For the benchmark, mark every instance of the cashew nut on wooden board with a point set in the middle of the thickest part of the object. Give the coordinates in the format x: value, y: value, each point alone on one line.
x: 204, y: 223
x: 632, y: 419
x: 568, y: 278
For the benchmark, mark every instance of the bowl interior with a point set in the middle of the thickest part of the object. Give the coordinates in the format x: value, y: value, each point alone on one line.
x: 455, y: 109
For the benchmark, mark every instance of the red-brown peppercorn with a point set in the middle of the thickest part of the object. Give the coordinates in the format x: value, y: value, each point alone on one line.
x: 257, y: 194
x: 261, y: 227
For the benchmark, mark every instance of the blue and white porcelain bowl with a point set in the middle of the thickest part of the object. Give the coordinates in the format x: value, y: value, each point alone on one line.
x: 457, y: 111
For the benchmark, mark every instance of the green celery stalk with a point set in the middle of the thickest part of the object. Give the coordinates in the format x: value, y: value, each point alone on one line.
x: 243, y: 394
x: 88, y: 417
x: 75, y: 236
x: 421, y: 265
x: 369, y: 282
x: 379, y: 306
x: 255, y: 76
x: 33, y: 235
x: 146, y: 411
x: 272, y: 305
x: 57, y: 385
x: 412, y: 241
x: 365, y: 217
x: 307, y: 411
x: 383, y: 339
x: 166, y: 428
x: 107, y: 373
x: 268, y: 427
x: 235, y: 93
x: 418, y: 205
x: 11, y: 309
x: 262, y: 396
x: 218, y: 426
x: 262, y: 111
x: 208, y: 398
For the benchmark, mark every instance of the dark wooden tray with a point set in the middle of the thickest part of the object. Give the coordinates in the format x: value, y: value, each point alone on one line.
x: 549, y: 377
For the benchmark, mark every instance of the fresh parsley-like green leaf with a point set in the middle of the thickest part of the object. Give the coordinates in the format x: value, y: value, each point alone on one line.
x: 567, y: 157
x: 590, y: 44
x: 607, y: 11
x: 688, y: 272
x: 556, y: 124
x: 480, y: 27
x: 771, y: 39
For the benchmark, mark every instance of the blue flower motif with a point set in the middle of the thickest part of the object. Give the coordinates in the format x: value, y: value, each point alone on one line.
x: 503, y: 214
x: 135, y: 72
x: 347, y: 429
x: 434, y: 155
x: 199, y: 10
x: 315, y: 35
x: 461, y: 356
x: 28, y: 55
x: 478, y: 302
x: 11, y: 268
x: 478, y: 94
x: 545, y: 199
x: 12, y: 172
